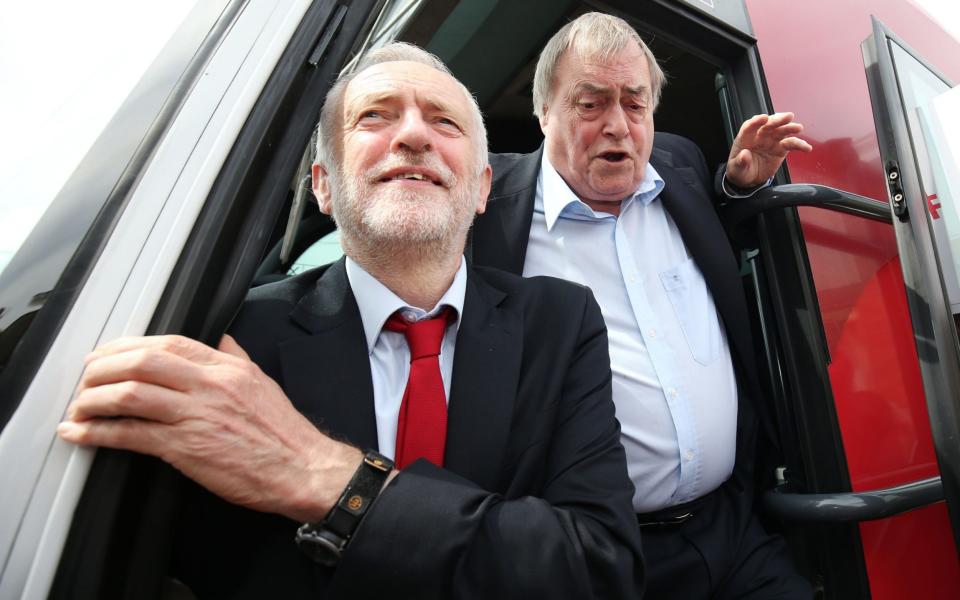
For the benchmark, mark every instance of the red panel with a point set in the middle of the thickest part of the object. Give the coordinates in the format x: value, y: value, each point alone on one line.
x: 907, y: 559
x: 887, y: 440
x: 814, y: 67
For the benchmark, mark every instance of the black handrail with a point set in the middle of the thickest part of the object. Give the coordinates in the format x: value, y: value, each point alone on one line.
x: 854, y: 506
x: 737, y: 212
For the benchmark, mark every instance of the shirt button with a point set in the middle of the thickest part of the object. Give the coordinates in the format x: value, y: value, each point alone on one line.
x: 632, y: 279
x: 672, y: 392
x: 408, y: 316
x: 652, y: 333
x: 688, y: 456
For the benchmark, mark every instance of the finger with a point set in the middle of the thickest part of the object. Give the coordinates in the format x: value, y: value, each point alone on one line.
x: 128, y: 399
x: 231, y: 347
x: 147, y: 365
x: 752, y: 125
x: 783, y: 130
x: 778, y: 119
x: 176, y: 344
x: 795, y: 144
x: 124, y: 434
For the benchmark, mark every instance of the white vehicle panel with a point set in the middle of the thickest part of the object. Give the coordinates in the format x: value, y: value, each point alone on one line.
x: 123, y: 289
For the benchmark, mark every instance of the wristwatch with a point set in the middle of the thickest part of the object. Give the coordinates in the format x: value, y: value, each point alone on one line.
x: 325, y: 541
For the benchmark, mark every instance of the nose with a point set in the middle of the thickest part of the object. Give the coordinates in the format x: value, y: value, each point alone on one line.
x: 413, y: 133
x: 615, y: 123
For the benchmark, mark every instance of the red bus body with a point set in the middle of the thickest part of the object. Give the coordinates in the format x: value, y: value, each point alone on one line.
x: 813, y: 66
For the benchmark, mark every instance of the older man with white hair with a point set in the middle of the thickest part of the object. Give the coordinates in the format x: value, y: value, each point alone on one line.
x: 492, y: 466
x: 608, y: 203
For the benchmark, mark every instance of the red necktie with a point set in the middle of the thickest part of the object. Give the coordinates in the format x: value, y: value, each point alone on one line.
x: 422, y: 426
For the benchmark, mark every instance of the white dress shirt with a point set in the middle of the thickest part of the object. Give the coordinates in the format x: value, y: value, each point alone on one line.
x: 389, y: 353
x: 673, y: 381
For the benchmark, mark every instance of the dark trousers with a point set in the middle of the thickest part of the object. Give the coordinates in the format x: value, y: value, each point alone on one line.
x: 720, y: 552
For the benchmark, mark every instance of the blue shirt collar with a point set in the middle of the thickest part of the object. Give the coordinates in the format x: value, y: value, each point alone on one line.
x: 560, y: 201
x: 376, y: 302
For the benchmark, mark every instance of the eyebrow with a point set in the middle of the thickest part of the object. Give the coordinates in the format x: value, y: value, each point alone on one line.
x: 368, y: 99
x: 591, y: 88
x: 438, y: 105
x: 386, y: 96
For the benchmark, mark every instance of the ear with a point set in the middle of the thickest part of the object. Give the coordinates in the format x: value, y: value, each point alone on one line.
x: 321, y: 188
x: 543, y: 119
x: 485, y: 179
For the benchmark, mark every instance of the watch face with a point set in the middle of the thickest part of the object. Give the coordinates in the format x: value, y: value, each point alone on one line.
x: 321, y: 546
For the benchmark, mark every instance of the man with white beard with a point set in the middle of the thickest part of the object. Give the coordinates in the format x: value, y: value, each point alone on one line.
x: 490, y: 393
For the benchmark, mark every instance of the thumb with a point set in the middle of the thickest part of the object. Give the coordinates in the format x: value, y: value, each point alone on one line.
x: 230, y: 346
x: 743, y: 159
x: 738, y: 167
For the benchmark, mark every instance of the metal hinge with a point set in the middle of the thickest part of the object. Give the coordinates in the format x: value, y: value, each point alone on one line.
x: 897, y: 200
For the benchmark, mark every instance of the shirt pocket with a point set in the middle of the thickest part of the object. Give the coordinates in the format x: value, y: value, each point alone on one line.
x: 693, y: 305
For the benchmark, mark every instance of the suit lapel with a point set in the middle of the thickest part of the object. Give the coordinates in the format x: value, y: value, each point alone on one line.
x: 327, y: 373
x: 499, y: 238
x: 485, y: 375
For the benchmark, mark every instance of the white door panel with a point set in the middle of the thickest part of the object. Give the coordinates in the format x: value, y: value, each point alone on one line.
x: 46, y: 476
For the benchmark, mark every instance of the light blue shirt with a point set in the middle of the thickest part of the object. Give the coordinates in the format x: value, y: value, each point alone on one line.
x: 389, y: 353
x: 673, y: 380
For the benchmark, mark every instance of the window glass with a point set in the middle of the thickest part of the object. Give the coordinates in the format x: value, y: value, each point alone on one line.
x: 65, y: 69
x: 940, y: 120
x: 83, y: 86
x: 324, y: 251
x: 919, y: 87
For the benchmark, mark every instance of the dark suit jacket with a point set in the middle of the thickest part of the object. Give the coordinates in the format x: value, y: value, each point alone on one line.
x: 499, y: 239
x: 533, y: 502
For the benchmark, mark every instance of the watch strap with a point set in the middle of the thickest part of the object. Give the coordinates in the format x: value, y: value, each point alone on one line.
x: 326, y: 540
x: 363, y: 489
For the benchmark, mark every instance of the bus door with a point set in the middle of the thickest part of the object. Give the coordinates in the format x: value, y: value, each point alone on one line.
x: 909, y: 99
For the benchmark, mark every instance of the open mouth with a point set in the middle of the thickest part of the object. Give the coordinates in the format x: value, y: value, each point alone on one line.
x: 614, y: 157
x: 407, y: 176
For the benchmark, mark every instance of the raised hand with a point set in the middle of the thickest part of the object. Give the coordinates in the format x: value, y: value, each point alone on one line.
x: 761, y: 147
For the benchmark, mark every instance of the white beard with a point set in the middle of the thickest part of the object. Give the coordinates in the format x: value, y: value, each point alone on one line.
x: 381, y: 214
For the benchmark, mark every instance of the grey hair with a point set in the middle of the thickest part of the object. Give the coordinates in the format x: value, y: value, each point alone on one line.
x: 332, y: 111
x: 593, y: 35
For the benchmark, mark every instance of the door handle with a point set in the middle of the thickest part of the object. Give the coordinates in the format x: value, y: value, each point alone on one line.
x: 853, y: 506
x: 737, y: 213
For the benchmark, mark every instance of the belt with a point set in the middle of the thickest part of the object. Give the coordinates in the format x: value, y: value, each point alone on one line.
x: 673, y: 516
x: 665, y: 523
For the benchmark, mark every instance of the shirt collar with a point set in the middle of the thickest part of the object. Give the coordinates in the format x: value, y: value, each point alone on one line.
x: 376, y: 302
x: 560, y: 201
